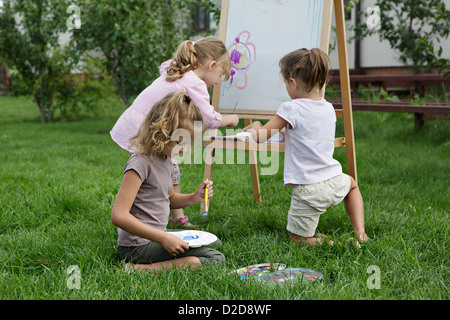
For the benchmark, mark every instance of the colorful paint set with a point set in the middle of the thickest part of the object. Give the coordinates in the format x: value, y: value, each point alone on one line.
x: 278, y: 274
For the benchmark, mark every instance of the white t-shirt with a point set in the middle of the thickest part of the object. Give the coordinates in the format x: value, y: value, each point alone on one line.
x: 309, y: 141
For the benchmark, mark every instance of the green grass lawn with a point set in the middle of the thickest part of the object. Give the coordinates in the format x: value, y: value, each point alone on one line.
x: 58, y: 183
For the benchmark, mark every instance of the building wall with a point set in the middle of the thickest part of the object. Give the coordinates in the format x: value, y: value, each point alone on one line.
x: 374, y: 53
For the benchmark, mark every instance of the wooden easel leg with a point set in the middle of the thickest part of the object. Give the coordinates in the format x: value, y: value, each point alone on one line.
x: 255, y: 176
x: 345, y: 88
x: 253, y: 160
x: 209, y: 165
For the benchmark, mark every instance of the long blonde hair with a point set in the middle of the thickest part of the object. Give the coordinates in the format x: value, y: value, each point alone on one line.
x: 309, y: 66
x: 190, y: 56
x: 174, y: 111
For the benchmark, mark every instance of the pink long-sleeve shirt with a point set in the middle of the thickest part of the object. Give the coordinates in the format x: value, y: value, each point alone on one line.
x: 129, y: 122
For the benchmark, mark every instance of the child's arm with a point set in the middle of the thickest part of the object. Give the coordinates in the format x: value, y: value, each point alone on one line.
x: 180, y: 200
x: 229, y: 120
x: 283, y: 133
x: 261, y: 133
x: 199, y: 94
x: 122, y: 218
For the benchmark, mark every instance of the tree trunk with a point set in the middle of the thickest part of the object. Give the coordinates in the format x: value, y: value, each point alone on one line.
x: 42, y: 111
x: 41, y: 104
x: 121, y: 91
x: 49, y: 112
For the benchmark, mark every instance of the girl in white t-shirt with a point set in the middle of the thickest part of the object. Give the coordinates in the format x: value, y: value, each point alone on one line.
x: 308, y: 123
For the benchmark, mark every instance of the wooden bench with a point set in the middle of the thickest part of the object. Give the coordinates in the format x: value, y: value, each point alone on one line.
x: 418, y: 81
x: 431, y: 111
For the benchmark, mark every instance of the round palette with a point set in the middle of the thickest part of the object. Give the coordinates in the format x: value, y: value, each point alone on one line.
x: 258, y: 269
x: 195, y: 238
x: 290, y: 276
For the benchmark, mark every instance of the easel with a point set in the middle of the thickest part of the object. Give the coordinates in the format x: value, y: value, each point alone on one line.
x: 345, y: 113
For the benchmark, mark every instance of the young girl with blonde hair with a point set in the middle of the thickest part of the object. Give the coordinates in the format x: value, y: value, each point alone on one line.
x: 309, y: 124
x: 142, y: 205
x: 196, y: 67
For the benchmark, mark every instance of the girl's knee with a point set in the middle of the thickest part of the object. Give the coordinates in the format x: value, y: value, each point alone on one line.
x: 219, y: 258
x: 216, y: 257
x: 353, y: 183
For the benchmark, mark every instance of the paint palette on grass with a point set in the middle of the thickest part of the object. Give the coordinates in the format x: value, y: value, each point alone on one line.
x: 258, y: 269
x: 195, y: 238
x: 290, y: 276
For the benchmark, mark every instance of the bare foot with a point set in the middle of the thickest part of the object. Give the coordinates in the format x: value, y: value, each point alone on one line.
x: 363, y: 237
x: 310, y: 241
x: 353, y: 241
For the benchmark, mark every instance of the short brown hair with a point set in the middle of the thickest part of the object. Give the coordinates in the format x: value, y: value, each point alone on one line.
x: 308, y: 66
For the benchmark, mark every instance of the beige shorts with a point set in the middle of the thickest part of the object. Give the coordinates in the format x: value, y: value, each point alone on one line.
x: 309, y: 201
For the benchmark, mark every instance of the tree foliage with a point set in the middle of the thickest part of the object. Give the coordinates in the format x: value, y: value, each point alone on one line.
x: 29, y: 33
x: 134, y: 36
x: 413, y: 28
x: 130, y: 39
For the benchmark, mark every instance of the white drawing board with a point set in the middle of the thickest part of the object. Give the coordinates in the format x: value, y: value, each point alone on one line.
x: 258, y: 34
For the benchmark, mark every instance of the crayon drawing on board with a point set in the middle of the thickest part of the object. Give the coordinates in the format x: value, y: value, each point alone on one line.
x: 242, y: 54
x: 258, y: 34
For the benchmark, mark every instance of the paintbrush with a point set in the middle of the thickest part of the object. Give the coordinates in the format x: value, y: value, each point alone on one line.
x: 205, y: 209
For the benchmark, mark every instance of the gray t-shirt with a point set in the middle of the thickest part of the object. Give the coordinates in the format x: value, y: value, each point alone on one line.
x: 152, y: 205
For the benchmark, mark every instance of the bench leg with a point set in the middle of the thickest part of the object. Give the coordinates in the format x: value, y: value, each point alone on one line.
x: 418, y: 121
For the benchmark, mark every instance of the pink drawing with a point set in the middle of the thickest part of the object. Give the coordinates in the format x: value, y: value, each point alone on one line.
x: 242, y: 55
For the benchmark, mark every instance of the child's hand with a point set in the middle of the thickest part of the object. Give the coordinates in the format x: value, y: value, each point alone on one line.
x: 199, y: 194
x: 174, y: 245
x: 234, y: 121
x: 252, y: 128
x: 253, y: 125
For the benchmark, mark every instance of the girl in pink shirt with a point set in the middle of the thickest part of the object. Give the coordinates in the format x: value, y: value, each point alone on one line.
x: 196, y: 67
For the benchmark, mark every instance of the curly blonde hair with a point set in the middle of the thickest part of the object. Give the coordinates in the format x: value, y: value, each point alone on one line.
x: 174, y: 111
x: 190, y: 56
